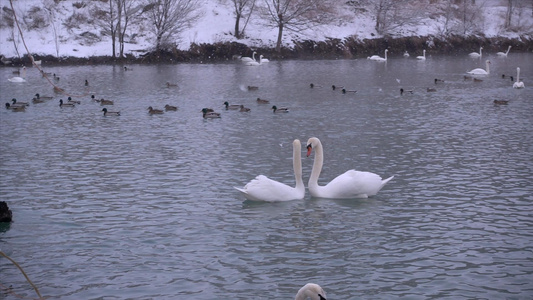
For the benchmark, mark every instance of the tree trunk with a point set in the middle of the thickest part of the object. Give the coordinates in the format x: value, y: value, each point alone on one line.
x: 237, y: 22
x: 280, y: 34
x: 508, y: 16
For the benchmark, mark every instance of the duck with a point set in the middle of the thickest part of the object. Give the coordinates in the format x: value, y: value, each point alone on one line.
x: 262, y: 101
x: 169, y: 85
x: 275, y: 109
x: 475, y: 54
x: 405, y: 91
x: 56, y: 78
x: 344, y: 91
x: 106, y: 102
x: 438, y: 80
x: 431, y: 90
x: 15, y: 108
x: 501, y: 102
x: 504, y: 54
x: 110, y: 113
x: 16, y: 103
x: 86, y: 82
x: 243, y: 109
x: 252, y: 88
x: 170, y: 108
x: 334, y: 87
x: 208, y: 113
x: 232, y: 107
x: 37, y: 100
x: 153, y: 111
x: 38, y: 96
x: 312, y: 85
x: 477, y: 80
x: 61, y: 104
x: 69, y: 100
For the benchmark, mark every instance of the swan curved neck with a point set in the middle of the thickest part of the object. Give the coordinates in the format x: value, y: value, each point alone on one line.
x: 297, y: 165
x: 517, y: 74
x: 317, y: 166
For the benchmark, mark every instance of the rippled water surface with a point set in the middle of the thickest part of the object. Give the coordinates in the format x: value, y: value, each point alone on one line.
x: 143, y: 207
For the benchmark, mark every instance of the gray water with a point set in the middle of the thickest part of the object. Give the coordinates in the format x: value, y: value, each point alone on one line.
x: 143, y: 207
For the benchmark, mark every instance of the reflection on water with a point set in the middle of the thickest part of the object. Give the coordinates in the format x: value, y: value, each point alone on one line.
x: 142, y: 206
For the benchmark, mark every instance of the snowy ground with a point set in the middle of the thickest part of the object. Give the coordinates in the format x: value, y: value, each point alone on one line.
x: 216, y: 25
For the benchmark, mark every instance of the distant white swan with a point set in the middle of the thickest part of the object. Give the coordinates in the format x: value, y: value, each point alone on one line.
x: 311, y: 291
x: 423, y: 57
x: 263, y: 188
x: 263, y: 60
x: 475, y: 54
x: 518, y: 84
x: 504, y: 54
x: 247, y: 59
x: 255, y: 63
x: 21, y: 78
x: 480, y: 71
x: 406, y: 54
x: 17, y: 79
x: 379, y: 58
x: 351, y: 184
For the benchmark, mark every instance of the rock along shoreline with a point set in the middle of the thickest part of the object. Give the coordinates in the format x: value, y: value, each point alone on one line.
x: 348, y: 48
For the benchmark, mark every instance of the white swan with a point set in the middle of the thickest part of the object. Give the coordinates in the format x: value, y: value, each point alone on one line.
x: 247, y: 59
x: 504, y: 54
x: 406, y: 54
x: 311, y: 291
x: 475, y: 54
x: 423, y: 57
x: 255, y: 63
x: 351, y: 184
x: 263, y: 188
x: 17, y: 78
x: 379, y: 58
x: 518, y: 84
x: 480, y: 71
x: 263, y: 60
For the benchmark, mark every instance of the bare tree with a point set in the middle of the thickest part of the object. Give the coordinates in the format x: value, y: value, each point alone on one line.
x: 170, y: 18
x: 242, y: 9
x: 296, y: 15
x: 393, y: 14
x: 106, y: 17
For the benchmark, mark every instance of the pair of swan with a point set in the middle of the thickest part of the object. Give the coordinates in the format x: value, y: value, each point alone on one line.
x: 351, y: 184
x: 253, y: 60
x: 480, y: 71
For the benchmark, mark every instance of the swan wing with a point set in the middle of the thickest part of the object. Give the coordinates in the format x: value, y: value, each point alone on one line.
x: 263, y: 188
x: 355, y: 184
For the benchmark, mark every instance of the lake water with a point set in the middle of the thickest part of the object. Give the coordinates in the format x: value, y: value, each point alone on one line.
x: 143, y: 206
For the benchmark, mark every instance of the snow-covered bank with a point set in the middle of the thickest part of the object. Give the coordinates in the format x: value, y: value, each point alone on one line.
x: 211, y: 37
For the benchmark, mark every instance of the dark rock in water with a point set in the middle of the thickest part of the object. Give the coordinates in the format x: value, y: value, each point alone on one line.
x: 5, y: 213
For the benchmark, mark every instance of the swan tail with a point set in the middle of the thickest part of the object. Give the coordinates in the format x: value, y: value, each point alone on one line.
x: 384, y: 182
